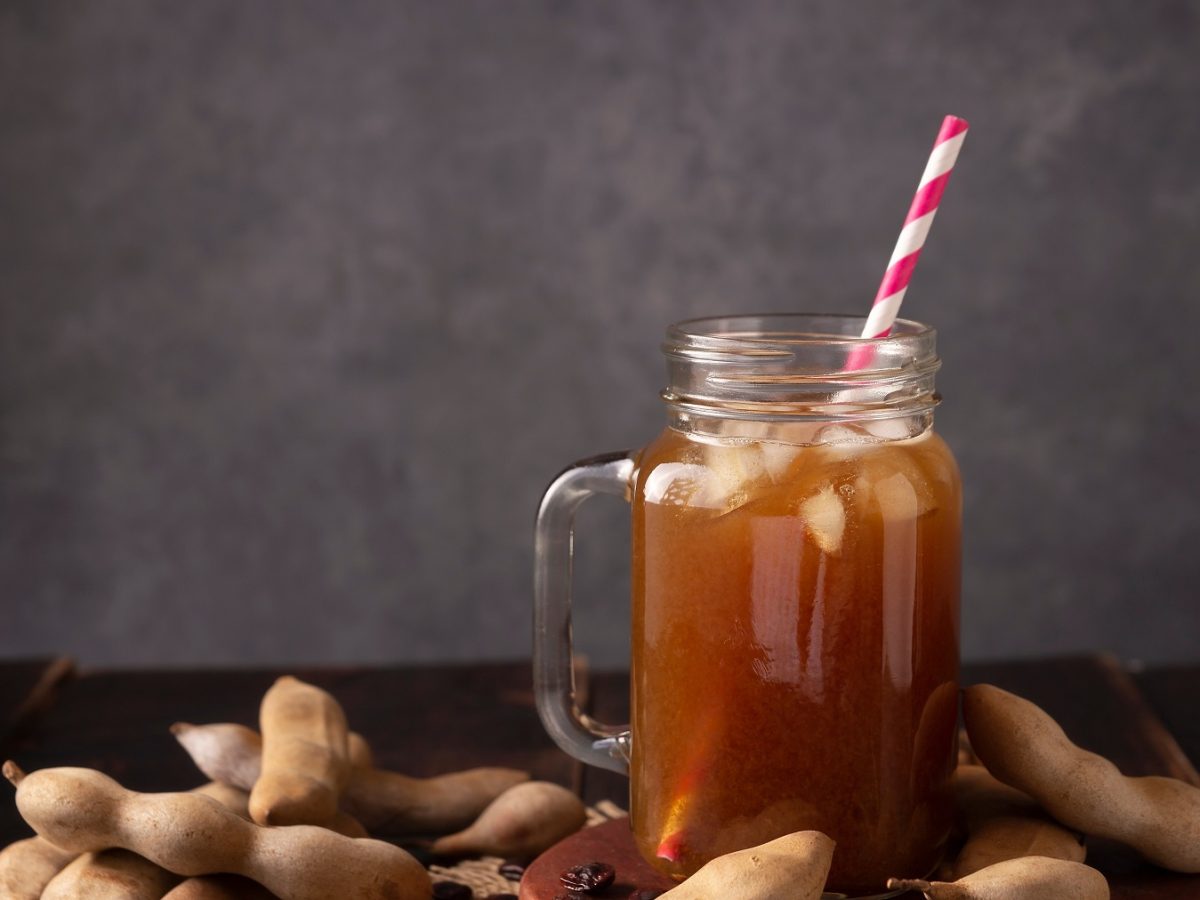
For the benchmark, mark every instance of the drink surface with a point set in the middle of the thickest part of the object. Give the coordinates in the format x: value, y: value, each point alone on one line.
x: 795, y: 649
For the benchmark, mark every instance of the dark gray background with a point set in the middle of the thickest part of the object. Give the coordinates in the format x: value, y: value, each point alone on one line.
x: 303, y: 303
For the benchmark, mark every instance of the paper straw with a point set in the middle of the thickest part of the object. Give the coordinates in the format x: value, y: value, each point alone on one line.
x: 912, y: 236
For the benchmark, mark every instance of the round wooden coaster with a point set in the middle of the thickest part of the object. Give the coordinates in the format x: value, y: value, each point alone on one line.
x: 612, y: 843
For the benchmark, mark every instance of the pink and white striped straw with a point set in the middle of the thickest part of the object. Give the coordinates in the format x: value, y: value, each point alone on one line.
x: 912, y: 236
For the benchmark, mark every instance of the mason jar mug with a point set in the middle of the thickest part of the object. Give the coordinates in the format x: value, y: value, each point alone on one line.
x: 796, y: 568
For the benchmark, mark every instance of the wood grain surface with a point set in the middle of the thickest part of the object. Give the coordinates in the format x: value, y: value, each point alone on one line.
x: 26, y: 687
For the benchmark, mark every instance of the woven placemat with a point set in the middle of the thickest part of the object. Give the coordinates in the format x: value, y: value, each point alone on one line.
x: 482, y: 874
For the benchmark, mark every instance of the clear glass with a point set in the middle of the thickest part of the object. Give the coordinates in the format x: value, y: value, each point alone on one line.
x: 795, y: 600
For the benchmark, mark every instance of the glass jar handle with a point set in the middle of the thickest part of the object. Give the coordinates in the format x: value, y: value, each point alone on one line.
x: 606, y: 746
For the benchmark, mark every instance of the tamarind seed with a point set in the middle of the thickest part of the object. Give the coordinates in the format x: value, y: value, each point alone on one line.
x: 591, y: 877
x: 500, y: 897
x: 451, y: 890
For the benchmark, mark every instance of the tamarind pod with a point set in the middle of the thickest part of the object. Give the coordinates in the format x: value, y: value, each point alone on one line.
x: 190, y: 834
x: 383, y: 802
x: 1014, y: 837
x: 305, y: 755
x: 27, y: 866
x: 793, y: 866
x: 232, y: 754
x: 227, y: 753
x: 966, y: 756
x: 1002, y: 823
x: 1025, y: 748
x: 219, y: 887
x: 979, y: 796
x: 391, y: 803
x: 234, y: 751
x: 361, y: 755
x: 121, y: 875
x: 521, y: 823
x: 233, y: 799
x: 110, y: 875
x: 935, y: 741
x: 1026, y: 878
x: 345, y: 824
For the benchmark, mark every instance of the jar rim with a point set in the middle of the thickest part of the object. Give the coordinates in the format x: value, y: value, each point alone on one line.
x: 757, y: 331
x: 800, y: 364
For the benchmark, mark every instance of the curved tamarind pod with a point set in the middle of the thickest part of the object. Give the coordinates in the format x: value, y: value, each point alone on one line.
x: 384, y: 802
x: 1002, y: 824
x: 520, y: 823
x: 219, y: 887
x: 189, y: 834
x: 1025, y: 748
x: 1027, y: 878
x: 27, y: 866
x: 226, y: 887
x: 305, y: 757
x: 121, y: 875
x: 391, y: 803
x: 110, y: 875
x: 793, y: 866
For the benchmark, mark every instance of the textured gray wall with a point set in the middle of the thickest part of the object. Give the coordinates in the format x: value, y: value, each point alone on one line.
x: 303, y: 303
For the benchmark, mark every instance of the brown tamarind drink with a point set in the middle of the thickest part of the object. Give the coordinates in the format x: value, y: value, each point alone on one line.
x: 796, y: 568
x: 795, y: 640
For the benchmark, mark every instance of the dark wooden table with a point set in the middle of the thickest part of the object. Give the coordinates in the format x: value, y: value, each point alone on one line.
x: 425, y: 720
